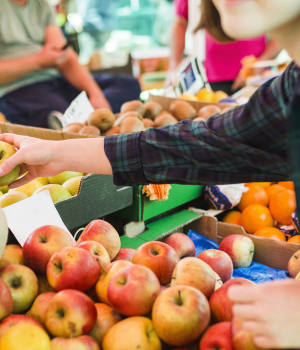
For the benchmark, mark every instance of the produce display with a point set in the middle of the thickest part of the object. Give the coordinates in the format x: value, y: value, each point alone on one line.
x: 268, y: 210
x: 61, y: 187
x: 135, y: 116
x: 91, y: 294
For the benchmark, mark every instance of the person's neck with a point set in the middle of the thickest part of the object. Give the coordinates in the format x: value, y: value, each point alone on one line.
x: 20, y: 2
x: 288, y: 36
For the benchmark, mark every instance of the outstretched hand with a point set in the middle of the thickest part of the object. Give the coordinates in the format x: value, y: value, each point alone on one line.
x: 270, y: 312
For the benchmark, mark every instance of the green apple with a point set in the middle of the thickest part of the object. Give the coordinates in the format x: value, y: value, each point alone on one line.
x: 3, y: 232
x: 11, y: 198
x: 29, y: 188
x: 57, y: 192
x: 72, y: 185
x: 6, y: 151
x: 63, y: 177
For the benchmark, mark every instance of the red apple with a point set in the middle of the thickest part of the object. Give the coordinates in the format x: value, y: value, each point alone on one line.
x: 182, y: 244
x: 125, y: 254
x: 294, y: 264
x: 97, y: 250
x: 44, y: 286
x: 132, y: 291
x: 15, y: 319
x: 220, y: 305
x: 241, y: 339
x: 240, y: 249
x: 195, y: 273
x: 81, y: 343
x: 217, y: 337
x: 219, y: 282
x: 105, y: 277
x: 102, y: 232
x: 72, y: 268
x: 6, y: 300
x: 158, y: 257
x: 163, y: 288
x: 180, y: 315
x: 12, y: 255
x: 40, y: 306
x: 219, y: 261
x: 132, y: 333
x: 106, y: 318
x: 23, y: 285
x: 70, y: 314
x: 42, y: 244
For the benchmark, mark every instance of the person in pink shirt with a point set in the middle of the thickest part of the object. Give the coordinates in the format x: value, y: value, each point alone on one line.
x: 223, y: 61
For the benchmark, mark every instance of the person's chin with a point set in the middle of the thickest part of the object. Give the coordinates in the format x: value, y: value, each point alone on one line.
x: 240, y: 28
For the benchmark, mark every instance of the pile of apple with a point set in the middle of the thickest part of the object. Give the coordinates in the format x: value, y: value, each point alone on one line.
x: 61, y: 187
x: 92, y: 295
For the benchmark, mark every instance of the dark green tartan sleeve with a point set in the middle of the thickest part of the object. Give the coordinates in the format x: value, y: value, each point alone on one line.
x: 248, y: 143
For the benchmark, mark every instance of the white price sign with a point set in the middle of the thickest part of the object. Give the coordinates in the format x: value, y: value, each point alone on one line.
x: 79, y: 110
x: 31, y: 213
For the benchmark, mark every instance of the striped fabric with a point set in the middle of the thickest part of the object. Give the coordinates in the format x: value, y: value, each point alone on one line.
x: 248, y: 143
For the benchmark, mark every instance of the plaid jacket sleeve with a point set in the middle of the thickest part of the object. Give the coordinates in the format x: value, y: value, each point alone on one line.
x: 248, y: 143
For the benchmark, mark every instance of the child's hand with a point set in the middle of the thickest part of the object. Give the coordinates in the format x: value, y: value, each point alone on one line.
x: 270, y: 312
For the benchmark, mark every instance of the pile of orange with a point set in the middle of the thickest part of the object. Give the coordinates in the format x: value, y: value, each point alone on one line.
x: 262, y: 207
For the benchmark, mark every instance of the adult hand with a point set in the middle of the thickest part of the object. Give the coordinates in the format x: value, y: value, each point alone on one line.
x: 238, y: 83
x: 99, y: 101
x: 270, y: 312
x: 51, y: 57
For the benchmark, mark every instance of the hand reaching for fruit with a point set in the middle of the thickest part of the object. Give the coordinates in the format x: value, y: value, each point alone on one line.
x: 40, y: 158
x: 270, y: 312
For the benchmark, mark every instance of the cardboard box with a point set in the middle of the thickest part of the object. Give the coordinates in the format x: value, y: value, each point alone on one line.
x: 269, y: 252
x: 165, y: 102
x: 97, y: 197
x: 178, y: 195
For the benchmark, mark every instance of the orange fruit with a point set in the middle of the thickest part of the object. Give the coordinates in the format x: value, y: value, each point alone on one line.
x: 270, y: 232
x: 255, y: 195
x: 274, y: 189
x: 233, y: 217
x: 260, y: 184
x: 255, y: 217
x: 289, y: 185
x: 295, y: 239
x: 282, y: 206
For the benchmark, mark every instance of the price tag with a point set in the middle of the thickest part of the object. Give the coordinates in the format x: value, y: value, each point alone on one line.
x: 79, y: 110
x: 31, y: 213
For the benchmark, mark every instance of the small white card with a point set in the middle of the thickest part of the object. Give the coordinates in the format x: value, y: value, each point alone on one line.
x: 31, y: 213
x: 79, y: 110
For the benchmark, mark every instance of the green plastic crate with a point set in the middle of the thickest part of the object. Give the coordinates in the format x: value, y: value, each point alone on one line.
x: 178, y: 195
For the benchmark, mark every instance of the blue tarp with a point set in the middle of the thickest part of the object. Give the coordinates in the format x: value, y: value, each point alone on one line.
x: 257, y: 273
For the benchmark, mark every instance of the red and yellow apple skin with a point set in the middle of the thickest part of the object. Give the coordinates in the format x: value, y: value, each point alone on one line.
x: 294, y: 264
x: 125, y: 254
x: 241, y: 339
x: 15, y: 319
x: 220, y: 305
x: 180, y: 315
x: 182, y: 244
x: 12, y: 255
x: 72, y: 268
x: 81, y: 343
x: 132, y: 290
x: 219, y: 261
x: 217, y: 337
x: 70, y: 314
x: 195, y: 273
x: 106, y: 318
x: 104, y: 233
x: 158, y: 257
x: 6, y: 300
x: 42, y: 244
x: 40, y: 306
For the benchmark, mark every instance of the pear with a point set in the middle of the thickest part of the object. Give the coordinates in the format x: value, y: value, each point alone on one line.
x: 63, y: 177
x: 6, y: 151
x: 57, y: 192
x: 12, y: 198
x: 29, y: 188
x: 72, y: 185
x: 43, y: 180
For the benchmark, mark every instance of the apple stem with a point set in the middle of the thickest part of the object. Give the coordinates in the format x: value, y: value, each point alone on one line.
x: 179, y: 298
x: 1, y: 154
x: 102, y: 267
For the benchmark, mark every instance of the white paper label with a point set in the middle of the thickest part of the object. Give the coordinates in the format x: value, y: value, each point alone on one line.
x: 79, y: 110
x: 31, y: 213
